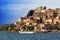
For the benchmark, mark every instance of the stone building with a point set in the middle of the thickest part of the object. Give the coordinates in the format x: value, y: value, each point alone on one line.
x: 36, y: 15
x: 19, y: 20
x: 48, y: 20
x: 49, y: 13
x: 41, y: 26
x: 56, y: 20
x: 40, y: 9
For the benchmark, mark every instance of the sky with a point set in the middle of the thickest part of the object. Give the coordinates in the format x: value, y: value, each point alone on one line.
x: 11, y: 10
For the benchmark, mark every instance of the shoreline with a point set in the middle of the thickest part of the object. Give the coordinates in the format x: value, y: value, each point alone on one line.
x: 35, y: 32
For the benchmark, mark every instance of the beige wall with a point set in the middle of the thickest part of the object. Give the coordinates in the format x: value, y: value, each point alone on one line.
x: 48, y: 20
x: 56, y: 20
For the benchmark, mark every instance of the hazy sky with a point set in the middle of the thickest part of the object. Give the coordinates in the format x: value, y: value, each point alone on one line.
x: 11, y: 10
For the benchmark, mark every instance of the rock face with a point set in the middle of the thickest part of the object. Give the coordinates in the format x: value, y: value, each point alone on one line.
x: 38, y: 18
x: 30, y: 13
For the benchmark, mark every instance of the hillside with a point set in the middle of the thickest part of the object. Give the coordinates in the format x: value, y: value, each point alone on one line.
x: 38, y: 19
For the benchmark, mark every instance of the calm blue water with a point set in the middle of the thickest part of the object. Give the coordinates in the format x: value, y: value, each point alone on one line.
x: 17, y: 36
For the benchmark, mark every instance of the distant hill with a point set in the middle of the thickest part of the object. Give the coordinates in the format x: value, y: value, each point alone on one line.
x: 4, y: 25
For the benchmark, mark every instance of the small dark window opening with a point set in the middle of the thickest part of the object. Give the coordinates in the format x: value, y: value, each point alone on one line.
x: 30, y: 23
x: 59, y: 18
x: 46, y: 16
x: 44, y: 7
x: 31, y: 18
x: 51, y: 16
x: 41, y: 20
x: 55, y: 14
x: 57, y: 22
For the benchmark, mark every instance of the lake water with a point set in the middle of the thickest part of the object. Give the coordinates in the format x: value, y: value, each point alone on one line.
x: 36, y: 36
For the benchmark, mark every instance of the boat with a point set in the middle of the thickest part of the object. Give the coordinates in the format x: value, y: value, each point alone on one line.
x: 26, y: 32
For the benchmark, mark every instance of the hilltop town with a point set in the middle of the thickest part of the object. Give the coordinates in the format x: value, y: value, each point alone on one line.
x: 40, y: 19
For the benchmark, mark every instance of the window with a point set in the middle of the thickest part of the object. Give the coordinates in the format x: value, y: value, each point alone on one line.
x: 46, y: 16
x: 55, y: 14
x: 59, y: 17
